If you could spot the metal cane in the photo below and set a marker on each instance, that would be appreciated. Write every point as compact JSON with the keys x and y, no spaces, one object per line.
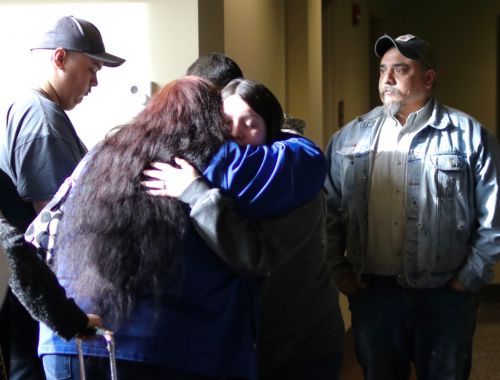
{"x":110,"y":346}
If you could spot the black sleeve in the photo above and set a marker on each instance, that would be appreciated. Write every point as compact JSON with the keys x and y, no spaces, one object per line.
{"x":36,"y":286}
{"x":16,"y":211}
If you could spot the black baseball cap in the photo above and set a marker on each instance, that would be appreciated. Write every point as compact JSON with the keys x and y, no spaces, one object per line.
{"x":408,"y":45}
{"x":78,"y":35}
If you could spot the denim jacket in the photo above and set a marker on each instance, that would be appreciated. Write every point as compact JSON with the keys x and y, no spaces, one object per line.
{"x":452,"y":215}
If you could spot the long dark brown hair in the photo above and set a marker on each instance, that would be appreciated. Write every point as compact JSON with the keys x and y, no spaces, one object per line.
{"x":117,"y":243}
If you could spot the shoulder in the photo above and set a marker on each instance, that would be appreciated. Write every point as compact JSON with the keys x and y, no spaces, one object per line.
{"x":357,"y":129}
{"x":364,"y":121}
{"x":443,"y":113}
{"x":35,"y":116}
{"x":474,"y":136}
{"x":32,"y":102}
{"x":296,"y":143}
{"x":445,"y":116}
{"x":290,"y":149}
{"x":372,"y":115}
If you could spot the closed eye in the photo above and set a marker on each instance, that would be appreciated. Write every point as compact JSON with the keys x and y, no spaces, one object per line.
{"x":251,"y":123}
{"x":401,"y":68}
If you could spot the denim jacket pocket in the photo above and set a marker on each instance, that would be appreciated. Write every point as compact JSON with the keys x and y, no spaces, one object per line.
{"x":346,"y":163}
{"x":452,"y":211}
{"x":353,"y":165}
{"x":450,"y":174}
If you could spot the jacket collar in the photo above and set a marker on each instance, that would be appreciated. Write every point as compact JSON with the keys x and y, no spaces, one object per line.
{"x":440,"y":118}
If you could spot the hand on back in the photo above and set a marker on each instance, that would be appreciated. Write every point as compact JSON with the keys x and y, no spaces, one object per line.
{"x":167,"y":180}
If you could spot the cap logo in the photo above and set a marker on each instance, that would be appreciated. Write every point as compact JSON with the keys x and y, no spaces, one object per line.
{"x":80,"y":29}
{"x":405,"y":37}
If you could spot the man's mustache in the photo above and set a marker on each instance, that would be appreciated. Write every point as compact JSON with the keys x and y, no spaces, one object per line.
{"x":391,"y":90}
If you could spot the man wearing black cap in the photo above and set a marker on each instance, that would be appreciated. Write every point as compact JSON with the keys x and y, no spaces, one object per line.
{"x":42,"y":147}
{"x":413,"y":221}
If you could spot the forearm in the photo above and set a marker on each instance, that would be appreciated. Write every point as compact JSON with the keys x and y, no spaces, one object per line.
{"x":485,"y":236}
{"x":251,"y":249}
{"x":335,"y":233}
{"x":477,"y":270}
{"x":337,"y":219}
{"x":37,"y":288}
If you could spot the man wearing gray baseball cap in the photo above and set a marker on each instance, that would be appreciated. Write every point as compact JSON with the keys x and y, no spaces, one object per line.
{"x":77,"y":35}
{"x":42,"y":147}
{"x":413,"y":221}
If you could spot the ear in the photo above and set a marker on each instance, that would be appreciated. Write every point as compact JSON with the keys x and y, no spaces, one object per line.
{"x":430,"y":78}
{"x":59,"y":57}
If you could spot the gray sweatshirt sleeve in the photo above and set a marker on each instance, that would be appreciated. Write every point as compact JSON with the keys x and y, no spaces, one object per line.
{"x":36,"y":286}
{"x":250,"y":248}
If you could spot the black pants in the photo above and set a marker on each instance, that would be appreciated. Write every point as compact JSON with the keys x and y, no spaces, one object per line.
{"x":24,"y":361}
{"x":4,"y":341}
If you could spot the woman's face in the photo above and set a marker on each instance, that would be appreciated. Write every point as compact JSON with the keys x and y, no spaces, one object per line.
{"x":247,"y":126}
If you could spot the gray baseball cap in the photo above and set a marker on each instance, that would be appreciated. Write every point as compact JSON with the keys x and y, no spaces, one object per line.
{"x":408,"y":45}
{"x":78,"y":35}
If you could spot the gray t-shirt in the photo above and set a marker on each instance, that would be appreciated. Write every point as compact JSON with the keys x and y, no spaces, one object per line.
{"x":41,"y":148}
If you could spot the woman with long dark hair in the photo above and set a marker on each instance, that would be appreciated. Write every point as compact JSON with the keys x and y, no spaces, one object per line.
{"x":109,"y":213}
{"x":133,"y":258}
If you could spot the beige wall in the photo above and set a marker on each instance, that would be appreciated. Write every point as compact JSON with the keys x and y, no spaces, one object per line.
{"x":174,"y":38}
{"x":325,"y":63}
{"x":296,"y":73}
{"x":210,"y":26}
{"x":315,"y":72}
{"x":279,"y":44}
{"x":254,"y":37}
{"x":347,"y":53}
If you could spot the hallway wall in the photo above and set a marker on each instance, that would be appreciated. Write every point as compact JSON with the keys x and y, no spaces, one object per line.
{"x":347,"y":53}
{"x":254,"y":36}
{"x":292,"y":46}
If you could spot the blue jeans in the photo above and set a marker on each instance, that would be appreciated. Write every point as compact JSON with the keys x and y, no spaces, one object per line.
{"x":394,"y":326}
{"x":66,"y":367}
{"x":326,"y":369}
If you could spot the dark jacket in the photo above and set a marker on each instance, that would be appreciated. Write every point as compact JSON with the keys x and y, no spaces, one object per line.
{"x":37,"y":287}
{"x":301,"y":319}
